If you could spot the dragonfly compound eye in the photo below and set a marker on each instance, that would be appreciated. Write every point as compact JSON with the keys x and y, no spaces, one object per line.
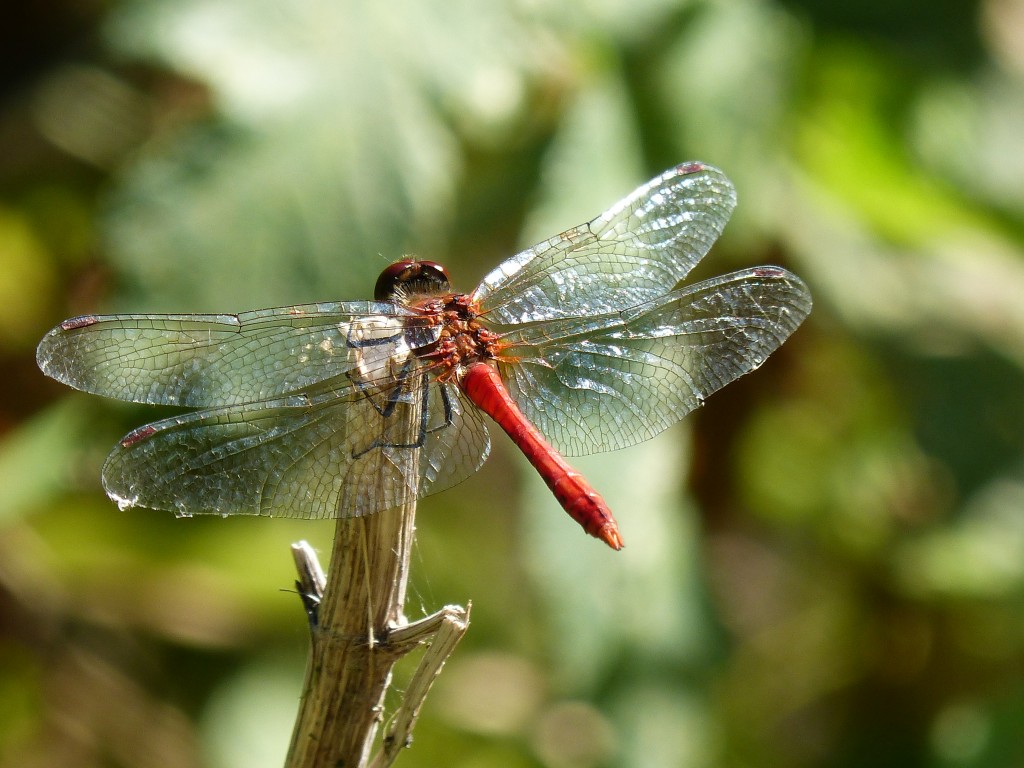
{"x":411,"y":277}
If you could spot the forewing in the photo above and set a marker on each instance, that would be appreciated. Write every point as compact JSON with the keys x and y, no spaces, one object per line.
{"x":634,"y":252}
{"x":343,"y":454}
{"x":602,"y":383}
{"x":210,"y":360}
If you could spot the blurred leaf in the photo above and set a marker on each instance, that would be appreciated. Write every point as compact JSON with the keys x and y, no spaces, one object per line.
{"x":596,"y":622}
{"x":725,"y":85}
{"x":970,"y":132}
{"x":234,"y":738}
{"x":593,"y":158}
{"x":26,"y":272}
{"x":847,"y":464}
{"x":957,"y":288}
{"x":665,"y":726}
{"x":982,"y":555}
{"x":34,"y":460}
{"x":846,"y":141}
{"x":333,"y":148}
{"x":20,"y":703}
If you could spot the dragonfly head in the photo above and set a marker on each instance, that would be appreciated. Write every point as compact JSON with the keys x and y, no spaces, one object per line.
{"x":408,"y":277}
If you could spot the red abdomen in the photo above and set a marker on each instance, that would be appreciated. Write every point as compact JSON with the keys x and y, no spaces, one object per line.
{"x":482,"y":384}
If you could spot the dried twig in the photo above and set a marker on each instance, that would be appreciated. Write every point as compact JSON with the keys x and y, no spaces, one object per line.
{"x":441,"y":632}
{"x":358,"y":633}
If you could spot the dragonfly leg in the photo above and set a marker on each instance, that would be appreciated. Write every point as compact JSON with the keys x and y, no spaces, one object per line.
{"x":393,"y":400}
{"x":394,"y":397}
{"x":446,"y":403}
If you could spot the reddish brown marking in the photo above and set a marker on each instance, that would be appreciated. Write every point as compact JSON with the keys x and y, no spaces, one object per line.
{"x":137,"y":435}
{"x":79,"y":322}
{"x":766,"y":271}
{"x":686,"y":168}
{"x":462,"y":341}
{"x":482,"y":384}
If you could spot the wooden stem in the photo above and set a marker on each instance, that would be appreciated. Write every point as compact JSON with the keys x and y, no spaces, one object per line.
{"x":358,"y":633}
{"x":350,"y":660}
{"x":358,"y":626}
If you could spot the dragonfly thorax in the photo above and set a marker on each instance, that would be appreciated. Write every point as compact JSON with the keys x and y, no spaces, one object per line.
{"x":463,"y":339}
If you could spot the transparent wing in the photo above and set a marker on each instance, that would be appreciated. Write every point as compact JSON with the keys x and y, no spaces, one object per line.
{"x":600,"y":383}
{"x":636,"y":251}
{"x":344,"y":454}
{"x":209,"y":360}
{"x":452,"y":454}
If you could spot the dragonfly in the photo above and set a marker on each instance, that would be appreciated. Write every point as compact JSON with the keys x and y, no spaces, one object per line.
{"x":589,"y":341}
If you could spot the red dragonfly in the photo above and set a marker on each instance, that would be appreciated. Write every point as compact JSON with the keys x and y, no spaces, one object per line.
{"x":582,"y":343}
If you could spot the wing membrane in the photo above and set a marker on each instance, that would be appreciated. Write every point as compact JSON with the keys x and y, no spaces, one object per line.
{"x":341,"y":455}
{"x":634,"y":252}
{"x":207,"y":360}
{"x":602,"y":383}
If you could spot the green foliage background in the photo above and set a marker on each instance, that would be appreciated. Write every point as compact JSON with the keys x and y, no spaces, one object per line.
{"x":823,"y":567}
